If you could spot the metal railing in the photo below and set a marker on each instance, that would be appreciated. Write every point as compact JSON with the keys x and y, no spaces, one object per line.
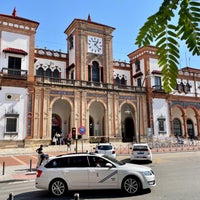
{"x":14,"y":73}
{"x":86,"y":84}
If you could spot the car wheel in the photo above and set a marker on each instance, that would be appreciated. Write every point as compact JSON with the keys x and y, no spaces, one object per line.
{"x":58,"y":187}
{"x":131,"y":185}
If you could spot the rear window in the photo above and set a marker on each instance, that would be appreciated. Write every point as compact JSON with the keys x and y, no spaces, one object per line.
{"x":104,"y":147}
{"x":140,"y":148}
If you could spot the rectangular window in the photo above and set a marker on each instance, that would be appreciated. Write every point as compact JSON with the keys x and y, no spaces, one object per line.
{"x":137,"y":66}
{"x":139,"y":82}
{"x":161,"y":125}
{"x":71,"y":42}
{"x":158,"y":83}
{"x":11,"y":125}
{"x":14,"y":65}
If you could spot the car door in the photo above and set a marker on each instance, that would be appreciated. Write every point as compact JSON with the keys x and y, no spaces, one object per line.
{"x":76,"y":172}
{"x":100,"y":176}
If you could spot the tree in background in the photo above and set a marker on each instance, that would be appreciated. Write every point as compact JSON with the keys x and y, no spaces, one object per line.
{"x":167,"y":34}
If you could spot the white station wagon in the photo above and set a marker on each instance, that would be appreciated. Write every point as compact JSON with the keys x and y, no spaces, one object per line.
{"x":92,"y":172}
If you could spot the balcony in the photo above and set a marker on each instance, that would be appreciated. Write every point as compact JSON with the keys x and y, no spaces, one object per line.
{"x":158,"y":88}
{"x":14,"y":73}
{"x":87,"y":84}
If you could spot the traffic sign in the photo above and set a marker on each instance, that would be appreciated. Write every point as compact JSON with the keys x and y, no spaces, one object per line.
{"x":82,"y":130}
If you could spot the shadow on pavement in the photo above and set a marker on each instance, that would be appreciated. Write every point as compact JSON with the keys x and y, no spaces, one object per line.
{"x":87,"y":194}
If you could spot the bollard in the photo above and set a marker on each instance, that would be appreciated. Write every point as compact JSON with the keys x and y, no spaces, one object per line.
{"x":3,"y":172}
{"x":11,"y":197}
{"x":30,"y":165}
{"x":76,"y":196}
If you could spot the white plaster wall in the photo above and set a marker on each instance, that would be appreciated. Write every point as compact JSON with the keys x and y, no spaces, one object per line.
{"x":45,"y":63}
{"x":121,"y":73}
{"x":154,"y":64}
{"x":160,"y":108}
{"x":19,"y":106}
{"x":14,"y":40}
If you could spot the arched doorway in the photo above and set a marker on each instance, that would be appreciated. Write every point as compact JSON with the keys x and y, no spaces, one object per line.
{"x":190,"y":128}
{"x":129,"y":129}
{"x":61,"y":118}
{"x":96,"y":119}
{"x":56,"y":124}
{"x":128,"y":123}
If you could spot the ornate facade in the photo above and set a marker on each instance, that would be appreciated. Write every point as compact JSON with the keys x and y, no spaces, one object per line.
{"x":83,"y":88}
{"x":45,"y":91}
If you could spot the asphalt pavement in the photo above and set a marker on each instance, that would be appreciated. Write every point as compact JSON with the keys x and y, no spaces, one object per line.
{"x":19,"y":164}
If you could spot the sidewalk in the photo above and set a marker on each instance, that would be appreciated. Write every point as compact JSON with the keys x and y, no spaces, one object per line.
{"x":19,"y":164}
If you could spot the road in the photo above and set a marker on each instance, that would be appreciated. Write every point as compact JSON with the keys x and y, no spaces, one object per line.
{"x":178,"y":178}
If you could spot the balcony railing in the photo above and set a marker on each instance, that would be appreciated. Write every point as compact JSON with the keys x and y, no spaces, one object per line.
{"x":14,"y":73}
{"x":87,"y":84}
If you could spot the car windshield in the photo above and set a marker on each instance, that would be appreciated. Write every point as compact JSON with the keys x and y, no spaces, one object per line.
{"x":115,"y":161}
{"x":104,"y":147}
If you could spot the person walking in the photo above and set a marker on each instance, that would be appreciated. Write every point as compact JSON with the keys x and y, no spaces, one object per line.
{"x":68,"y":142}
{"x":40,"y":153}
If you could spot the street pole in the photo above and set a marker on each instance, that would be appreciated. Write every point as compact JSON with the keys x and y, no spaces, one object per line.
{"x":139,"y":123}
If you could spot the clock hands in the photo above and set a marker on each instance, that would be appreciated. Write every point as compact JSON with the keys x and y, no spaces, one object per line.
{"x":95,"y":45}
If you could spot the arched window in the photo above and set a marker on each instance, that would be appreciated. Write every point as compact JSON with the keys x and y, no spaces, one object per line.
{"x":40,"y":72}
{"x":181,"y":87}
{"x":56,"y":73}
{"x":123,"y":81}
{"x":177,"y":127}
{"x":95,"y":71}
{"x":48,"y":72}
{"x":187,"y":88}
{"x":117,"y":81}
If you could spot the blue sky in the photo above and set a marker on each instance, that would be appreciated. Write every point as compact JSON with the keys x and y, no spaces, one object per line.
{"x":126,"y":16}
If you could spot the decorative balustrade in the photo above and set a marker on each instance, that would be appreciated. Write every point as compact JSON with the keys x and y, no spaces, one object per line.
{"x":87,"y":84}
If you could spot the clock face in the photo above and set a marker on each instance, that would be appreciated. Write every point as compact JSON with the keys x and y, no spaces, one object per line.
{"x":95,"y":45}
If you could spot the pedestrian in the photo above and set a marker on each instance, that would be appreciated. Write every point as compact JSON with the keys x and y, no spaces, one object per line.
{"x":68,"y":142}
{"x":40,"y":153}
{"x":54,"y":140}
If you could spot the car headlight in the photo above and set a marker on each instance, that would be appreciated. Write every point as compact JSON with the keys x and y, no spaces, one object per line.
{"x":148,"y":173}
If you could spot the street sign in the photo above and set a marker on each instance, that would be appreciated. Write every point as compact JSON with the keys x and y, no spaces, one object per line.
{"x":82,"y":130}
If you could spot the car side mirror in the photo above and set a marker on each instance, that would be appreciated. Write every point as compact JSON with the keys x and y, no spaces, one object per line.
{"x":109,"y":165}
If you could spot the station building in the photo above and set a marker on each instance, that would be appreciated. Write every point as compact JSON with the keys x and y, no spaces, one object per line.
{"x":45,"y":91}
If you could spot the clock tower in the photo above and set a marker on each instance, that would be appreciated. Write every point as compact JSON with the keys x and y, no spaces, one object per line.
{"x":90,"y":51}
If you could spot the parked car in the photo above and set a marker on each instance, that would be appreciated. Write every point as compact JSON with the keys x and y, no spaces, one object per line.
{"x":106,"y":149}
{"x":141,"y":152}
{"x":90,"y":171}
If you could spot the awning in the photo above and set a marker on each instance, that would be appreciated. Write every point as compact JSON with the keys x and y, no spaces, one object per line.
{"x":16,"y":51}
{"x":136,"y":75}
